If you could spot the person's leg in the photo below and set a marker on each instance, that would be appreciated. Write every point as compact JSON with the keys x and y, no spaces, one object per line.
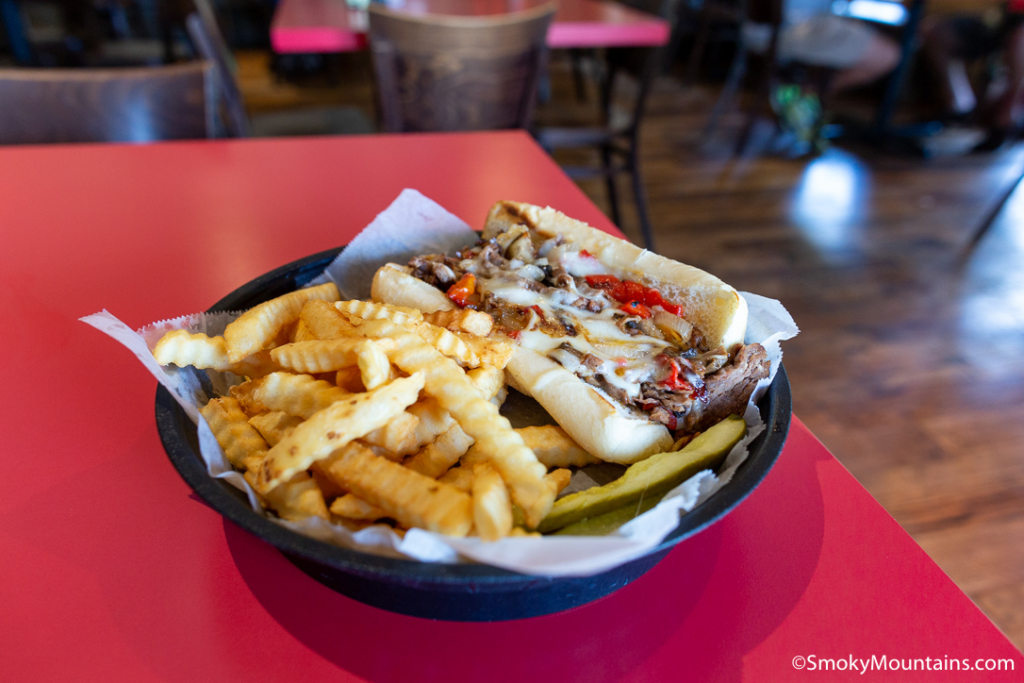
{"x":879,"y":58}
{"x":1010,"y":108}
{"x":942,"y":47}
{"x":857,"y":52}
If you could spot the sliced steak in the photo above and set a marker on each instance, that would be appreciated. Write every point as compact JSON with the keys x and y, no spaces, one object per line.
{"x":729,"y":389}
{"x":615,"y":392}
{"x":433,"y":270}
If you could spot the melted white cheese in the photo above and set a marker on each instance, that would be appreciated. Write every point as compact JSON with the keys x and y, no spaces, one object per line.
{"x":626,"y":360}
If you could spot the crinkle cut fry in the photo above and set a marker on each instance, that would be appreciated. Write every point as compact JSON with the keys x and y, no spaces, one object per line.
{"x":274,"y":426}
{"x":448,"y":343}
{"x":354,"y":507}
{"x":408,"y":497}
{"x":437,"y":457}
{"x":182,"y":348}
{"x":302,"y":331}
{"x":441,"y":339}
{"x":488,"y":380}
{"x":368,"y":310}
{"x":230,"y":426}
{"x":245,"y":394}
{"x":297,"y":498}
{"x":300,"y":395}
{"x":335,"y":426}
{"x":479,"y":418}
{"x":261,"y":324}
{"x":257,"y":365}
{"x":561,"y":476}
{"x":374,"y":366}
{"x":476,"y":323}
{"x":326,"y":356}
{"x":488,"y":350}
{"x":492,"y":510}
{"x":554,"y":448}
{"x":434,"y":420}
{"x":397,"y":437}
{"x":324,"y":321}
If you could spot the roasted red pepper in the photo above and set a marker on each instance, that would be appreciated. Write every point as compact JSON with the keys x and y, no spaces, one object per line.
{"x":462,"y":290}
{"x":536,"y":309}
{"x":586,"y":254}
{"x":514,"y":334}
{"x":672,"y":308}
{"x":636,"y":308}
{"x":602,"y":281}
{"x":674,"y":381}
{"x":652,"y":298}
{"x":627,"y":291}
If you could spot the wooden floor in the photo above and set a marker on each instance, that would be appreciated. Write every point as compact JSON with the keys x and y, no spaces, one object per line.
{"x":910,"y":363}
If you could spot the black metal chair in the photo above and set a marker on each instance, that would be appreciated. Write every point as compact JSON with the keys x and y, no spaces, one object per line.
{"x":618,"y":144}
{"x":204,"y":31}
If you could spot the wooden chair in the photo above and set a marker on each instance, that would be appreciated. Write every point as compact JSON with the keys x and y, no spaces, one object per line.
{"x":619,"y":143}
{"x":442,"y":73}
{"x":107,"y":105}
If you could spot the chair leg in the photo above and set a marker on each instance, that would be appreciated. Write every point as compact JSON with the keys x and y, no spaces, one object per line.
{"x":700,"y":43}
{"x":578,"y":78}
{"x":762,"y":104}
{"x":613,"y":195}
{"x":640,"y":196}
{"x":737,"y":72}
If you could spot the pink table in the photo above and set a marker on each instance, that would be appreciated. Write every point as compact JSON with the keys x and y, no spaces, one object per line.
{"x":112,"y":570}
{"x":330,"y":26}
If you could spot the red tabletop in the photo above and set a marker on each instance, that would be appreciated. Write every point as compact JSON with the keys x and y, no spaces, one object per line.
{"x":330,"y":26}
{"x":112,"y":570}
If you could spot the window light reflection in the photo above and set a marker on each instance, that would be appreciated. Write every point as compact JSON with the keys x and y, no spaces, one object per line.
{"x":830,"y":199}
{"x":881,"y":11}
{"x":992,"y":312}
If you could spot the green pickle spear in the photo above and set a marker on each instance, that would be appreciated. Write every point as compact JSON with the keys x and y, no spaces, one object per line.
{"x":602,"y":525}
{"x":646,"y":479}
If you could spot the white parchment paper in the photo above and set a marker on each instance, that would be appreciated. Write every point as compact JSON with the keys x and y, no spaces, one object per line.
{"x":415,"y":225}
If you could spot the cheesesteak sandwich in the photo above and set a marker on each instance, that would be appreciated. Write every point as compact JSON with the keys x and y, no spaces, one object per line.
{"x":627,"y":350}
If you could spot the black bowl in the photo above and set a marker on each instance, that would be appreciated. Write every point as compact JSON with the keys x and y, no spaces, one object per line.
{"x":459,"y":592}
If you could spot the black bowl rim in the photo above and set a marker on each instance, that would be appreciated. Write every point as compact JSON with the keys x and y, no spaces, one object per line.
{"x":177,"y":433}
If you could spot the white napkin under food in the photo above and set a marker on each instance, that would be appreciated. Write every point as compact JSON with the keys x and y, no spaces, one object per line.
{"x":415,"y":225}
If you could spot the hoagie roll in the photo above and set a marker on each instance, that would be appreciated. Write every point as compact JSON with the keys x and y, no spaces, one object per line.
{"x":624,"y":348}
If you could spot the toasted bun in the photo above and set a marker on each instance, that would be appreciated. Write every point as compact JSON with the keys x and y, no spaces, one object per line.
{"x":715,"y":308}
{"x":393,"y":284}
{"x":592,"y":420}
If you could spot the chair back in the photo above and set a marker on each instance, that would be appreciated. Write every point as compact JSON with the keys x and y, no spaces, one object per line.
{"x":107,"y":105}
{"x":209,"y":42}
{"x":442,"y":73}
{"x":644,"y":64}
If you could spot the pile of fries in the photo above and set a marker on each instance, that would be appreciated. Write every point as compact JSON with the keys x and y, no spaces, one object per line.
{"x":360,"y":413}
